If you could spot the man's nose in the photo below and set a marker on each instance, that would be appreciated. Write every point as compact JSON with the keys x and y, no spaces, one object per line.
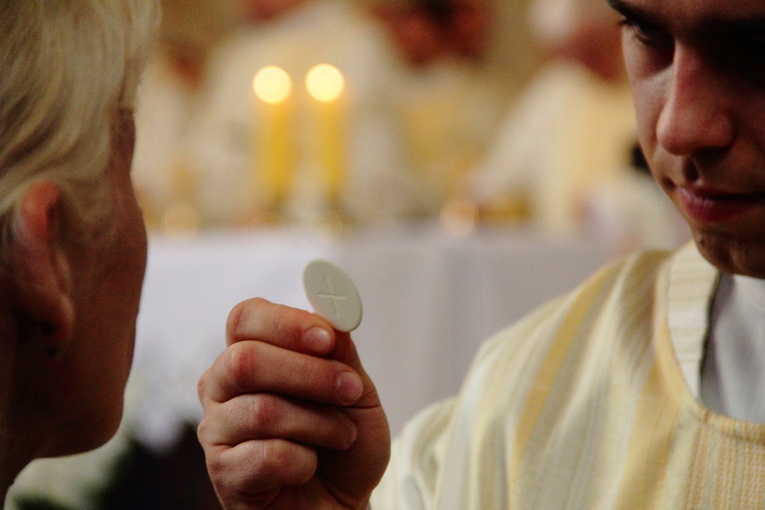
{"x":694,"y":116}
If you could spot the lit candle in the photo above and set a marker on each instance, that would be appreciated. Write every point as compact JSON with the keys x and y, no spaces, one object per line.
{"x":274,"y":152}
{"x":325,"y":84}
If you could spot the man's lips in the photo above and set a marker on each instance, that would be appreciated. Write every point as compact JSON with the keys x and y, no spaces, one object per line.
{"x":714,"y":206}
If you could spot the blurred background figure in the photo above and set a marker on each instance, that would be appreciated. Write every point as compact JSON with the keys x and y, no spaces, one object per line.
{"x":565,"y":157}
{"x":168,"y":104}
{"x":426,"y":31}
{"x":450,"y":99}
{"x":302,"y":155}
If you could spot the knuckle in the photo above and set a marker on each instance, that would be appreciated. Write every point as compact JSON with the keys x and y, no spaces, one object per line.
{"x":202,"y":428}
{"x":202,"y":386}
{"x":241,"y":363}
{"x":258,"y":316}
{"x":242,"y":313}
{"x":234,"y":319}
{"x":282,"y":462}
{"x":272,"y":456}
{"x":204,"y":432}
{"x":265,"y":412}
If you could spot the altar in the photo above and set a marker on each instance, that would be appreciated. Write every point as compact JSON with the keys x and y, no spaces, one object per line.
{"x":429,"y":298}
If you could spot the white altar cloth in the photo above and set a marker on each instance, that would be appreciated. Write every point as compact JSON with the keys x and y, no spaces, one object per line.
{"x":429,"y":300}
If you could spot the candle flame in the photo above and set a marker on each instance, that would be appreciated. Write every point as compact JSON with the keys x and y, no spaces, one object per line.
{"x":272,"y":84}
{"x":324,"y":83}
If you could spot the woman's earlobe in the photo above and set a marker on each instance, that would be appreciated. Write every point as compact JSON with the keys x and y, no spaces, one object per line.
{"x":40,"y":266}
{"x":50,"y":341}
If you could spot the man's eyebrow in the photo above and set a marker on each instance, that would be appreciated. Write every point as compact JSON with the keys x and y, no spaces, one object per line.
{"x":628,"y":11}
{"x":753,"y":24}
{"x":620,"y":6}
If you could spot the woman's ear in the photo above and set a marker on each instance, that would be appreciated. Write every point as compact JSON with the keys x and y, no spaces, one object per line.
{"x":40,"y":266}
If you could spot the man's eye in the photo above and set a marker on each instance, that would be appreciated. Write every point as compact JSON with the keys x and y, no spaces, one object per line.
{"x":646,"y":33}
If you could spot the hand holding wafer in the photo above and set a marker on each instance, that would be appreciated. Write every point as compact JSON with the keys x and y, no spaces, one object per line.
{"x":291,"y":386}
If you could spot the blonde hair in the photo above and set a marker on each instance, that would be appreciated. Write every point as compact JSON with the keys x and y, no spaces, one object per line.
{"x":67,"y":67}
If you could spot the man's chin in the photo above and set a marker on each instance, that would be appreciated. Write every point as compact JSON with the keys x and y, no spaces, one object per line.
{"x":733,"y":256}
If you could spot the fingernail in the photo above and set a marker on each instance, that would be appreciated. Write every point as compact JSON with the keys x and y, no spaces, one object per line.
{"x":318,"y":340}
{"x":348,"y":387}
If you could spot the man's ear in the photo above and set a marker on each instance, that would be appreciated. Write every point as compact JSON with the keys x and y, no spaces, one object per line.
{"x":40,"y":267}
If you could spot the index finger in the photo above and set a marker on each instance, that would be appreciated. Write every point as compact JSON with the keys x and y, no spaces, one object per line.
{"x":258,"y":367}
{"x":283,"y":326}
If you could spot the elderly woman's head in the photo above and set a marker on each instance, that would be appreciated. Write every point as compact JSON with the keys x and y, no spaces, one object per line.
{"x":73,"y":244}
{"x":68,"y":67}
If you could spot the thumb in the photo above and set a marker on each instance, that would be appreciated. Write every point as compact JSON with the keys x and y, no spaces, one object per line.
{"x":345,"y":352}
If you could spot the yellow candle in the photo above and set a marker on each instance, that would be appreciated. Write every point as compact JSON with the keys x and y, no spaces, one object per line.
{"x":274,"y":144}
{"x":326,"y":85}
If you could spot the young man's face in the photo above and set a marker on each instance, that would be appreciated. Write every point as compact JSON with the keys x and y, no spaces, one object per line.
{"x":697,"y":69}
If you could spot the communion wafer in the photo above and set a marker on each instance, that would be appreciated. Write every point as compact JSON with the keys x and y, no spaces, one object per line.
{"x":332,"y":294}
